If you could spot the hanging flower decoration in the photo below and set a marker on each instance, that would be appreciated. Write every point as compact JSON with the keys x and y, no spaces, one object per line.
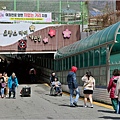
{"x":52,"y":32}
{"x":66,"y":33}
{"x":45,"y":40}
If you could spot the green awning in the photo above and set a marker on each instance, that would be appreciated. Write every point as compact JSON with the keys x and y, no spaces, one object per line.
{"x":105,"y":36}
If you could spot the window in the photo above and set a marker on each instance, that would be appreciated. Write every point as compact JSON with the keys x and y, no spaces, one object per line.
{"x":91,"y":58}
{"x":86,"y":59}
{"x":57,"y":65}
{"x":73,"y":60}
{"x":64,"y":64}
{"x":69,"y":62}
{"x":102,"y":56}
{"x":81,"y":60}
{"x":96,"y":57}
{"x":77,"y":61}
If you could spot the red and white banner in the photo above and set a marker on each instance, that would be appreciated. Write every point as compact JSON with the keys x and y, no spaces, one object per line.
{"x":11,"y":16}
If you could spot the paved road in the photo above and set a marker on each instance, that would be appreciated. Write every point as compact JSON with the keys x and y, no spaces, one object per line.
{"x":43,"y":106}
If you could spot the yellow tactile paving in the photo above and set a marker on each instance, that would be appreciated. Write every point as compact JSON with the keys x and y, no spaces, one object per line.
{"x":103,"y":105}
{"x":46,"y":84}
{"x":96,"y":103}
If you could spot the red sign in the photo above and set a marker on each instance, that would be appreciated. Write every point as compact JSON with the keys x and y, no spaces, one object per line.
{"x":22,"y":44}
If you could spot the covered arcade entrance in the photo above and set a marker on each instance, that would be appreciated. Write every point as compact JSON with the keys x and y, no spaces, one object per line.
{"x":22,"y":64}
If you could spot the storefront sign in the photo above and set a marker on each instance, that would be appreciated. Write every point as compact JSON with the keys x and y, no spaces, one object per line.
{"x":11,"y":33}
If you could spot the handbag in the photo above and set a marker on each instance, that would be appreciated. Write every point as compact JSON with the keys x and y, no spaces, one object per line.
{"x":86,"y":84}
{"x":3,"y":84}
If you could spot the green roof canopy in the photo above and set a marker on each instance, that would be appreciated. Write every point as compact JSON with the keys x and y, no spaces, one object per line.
{"x":106,"y":36}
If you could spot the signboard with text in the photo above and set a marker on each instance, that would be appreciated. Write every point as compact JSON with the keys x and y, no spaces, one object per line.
{"x":9,"y":16}
{"x":11,"y":33}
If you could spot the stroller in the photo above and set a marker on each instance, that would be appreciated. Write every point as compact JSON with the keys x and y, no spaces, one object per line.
{"x":55,"y":91}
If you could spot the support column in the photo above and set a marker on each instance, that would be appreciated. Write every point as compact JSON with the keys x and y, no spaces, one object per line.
{"x":108,"y":65}
{"x":108,"y":51}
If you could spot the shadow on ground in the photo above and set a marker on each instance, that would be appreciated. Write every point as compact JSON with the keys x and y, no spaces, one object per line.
{"x":106,"y":111}
{"x":110,"y":118}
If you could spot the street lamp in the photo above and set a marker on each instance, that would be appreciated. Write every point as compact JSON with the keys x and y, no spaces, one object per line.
{"x":68,"y":6}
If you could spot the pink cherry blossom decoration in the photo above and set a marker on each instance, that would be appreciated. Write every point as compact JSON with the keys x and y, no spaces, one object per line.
{"x":66,"y":33}
{"x":52,"y":32}
{"x":45,"y":40}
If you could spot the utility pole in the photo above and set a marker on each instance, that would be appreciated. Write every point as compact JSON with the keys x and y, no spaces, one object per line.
{"x":114,"y":7}
{"x":60,"y":11}
{"x":14,"y":5}
{"x":81,"y":8}
{"x":38,"y":5}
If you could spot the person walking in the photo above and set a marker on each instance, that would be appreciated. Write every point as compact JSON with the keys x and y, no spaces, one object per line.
{"x":6,"y":81}
{"x":117,"y":93}
{"x":1,"y":80}
{"x":111,"y":88}
{"x":32,"y":74}
{"x":52,"y":78}
{"x":88,"y":87}
{"x":2,"y":85}
{"x":73,"y":86}
{"x":12,"y":84}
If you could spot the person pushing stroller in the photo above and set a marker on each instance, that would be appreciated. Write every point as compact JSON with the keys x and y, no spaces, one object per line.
{"x":52,"y":77}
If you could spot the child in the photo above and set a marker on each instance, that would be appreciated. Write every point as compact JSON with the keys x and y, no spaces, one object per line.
{"x":6,"y":80}
{"x":3,"y":85}
{"x":57,"y":86}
